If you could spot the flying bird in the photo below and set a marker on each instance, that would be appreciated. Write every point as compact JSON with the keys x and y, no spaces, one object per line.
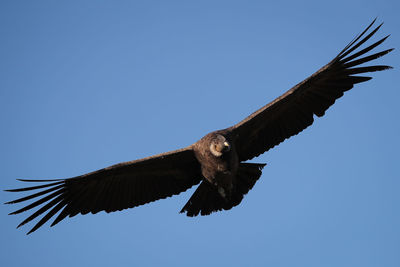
{"x":217,"y":161}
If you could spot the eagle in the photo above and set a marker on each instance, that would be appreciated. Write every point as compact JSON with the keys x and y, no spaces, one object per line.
{"x":217,"y":161}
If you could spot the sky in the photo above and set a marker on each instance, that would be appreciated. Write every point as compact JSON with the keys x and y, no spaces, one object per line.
{"x":87,"y":84}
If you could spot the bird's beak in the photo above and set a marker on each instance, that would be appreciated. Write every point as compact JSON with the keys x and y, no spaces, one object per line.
{"x":227,"y":146}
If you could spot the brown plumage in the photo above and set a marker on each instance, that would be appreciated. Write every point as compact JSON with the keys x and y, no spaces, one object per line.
{"x":216,"y":161}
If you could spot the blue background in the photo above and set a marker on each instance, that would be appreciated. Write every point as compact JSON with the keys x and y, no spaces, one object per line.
{"x":87,"y":84}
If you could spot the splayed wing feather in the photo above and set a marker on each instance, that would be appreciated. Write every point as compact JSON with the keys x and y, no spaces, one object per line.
{"x":35,"y":195}
{"x":31,"y":188}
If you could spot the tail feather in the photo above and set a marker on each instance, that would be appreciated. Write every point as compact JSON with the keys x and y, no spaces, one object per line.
{"x":206,"y":199}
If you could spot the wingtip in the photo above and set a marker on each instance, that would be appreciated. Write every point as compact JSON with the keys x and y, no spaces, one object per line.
{"x":31,"y":231}
{"x":40,"y":180}
{"x":9,"y":190}
{"x":373,"y":22}
{"x":384,"y":38}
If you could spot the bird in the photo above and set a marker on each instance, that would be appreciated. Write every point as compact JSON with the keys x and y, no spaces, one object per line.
{"x":218,"y":162}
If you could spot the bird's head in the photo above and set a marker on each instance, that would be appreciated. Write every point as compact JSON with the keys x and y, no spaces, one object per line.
{"x":219,"y":145}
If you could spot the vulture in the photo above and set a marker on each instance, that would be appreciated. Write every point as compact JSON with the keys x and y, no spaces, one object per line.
{"x":217,"y":161}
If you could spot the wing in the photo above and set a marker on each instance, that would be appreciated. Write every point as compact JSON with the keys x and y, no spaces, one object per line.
{"x":118,"y":187}
{"x":294,"y":111}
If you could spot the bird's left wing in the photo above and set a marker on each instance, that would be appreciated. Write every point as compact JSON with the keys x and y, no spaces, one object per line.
{"x":294,"y":111}
{"x":118,"y":187}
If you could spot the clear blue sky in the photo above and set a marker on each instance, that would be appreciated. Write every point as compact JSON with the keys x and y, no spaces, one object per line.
{"x":86,"y":84}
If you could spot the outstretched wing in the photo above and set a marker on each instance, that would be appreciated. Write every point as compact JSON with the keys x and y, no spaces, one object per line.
{"x":118,"y":187}
{"x":294,"y":111}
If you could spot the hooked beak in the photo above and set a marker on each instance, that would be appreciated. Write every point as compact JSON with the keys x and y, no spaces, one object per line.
{"x":227,"y":146}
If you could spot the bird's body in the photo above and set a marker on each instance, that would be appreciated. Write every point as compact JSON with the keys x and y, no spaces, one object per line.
{"x":216,"y":161}
{"x":219,"y":168}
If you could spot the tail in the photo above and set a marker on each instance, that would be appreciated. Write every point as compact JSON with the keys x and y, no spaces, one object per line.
{"x":206,"y":198}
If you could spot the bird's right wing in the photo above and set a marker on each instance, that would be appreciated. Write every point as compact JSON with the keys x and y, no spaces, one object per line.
{"x":118,"y":187}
